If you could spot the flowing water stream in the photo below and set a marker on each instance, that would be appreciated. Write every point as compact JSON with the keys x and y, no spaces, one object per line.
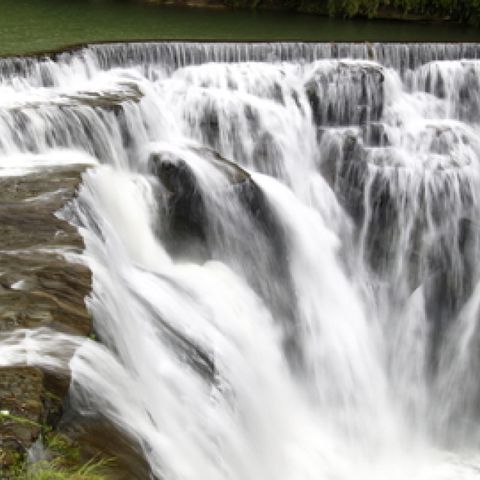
{"x":284,"y":240}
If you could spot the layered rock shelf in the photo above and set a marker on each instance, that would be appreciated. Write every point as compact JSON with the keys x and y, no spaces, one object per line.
{"x":41,"y":285}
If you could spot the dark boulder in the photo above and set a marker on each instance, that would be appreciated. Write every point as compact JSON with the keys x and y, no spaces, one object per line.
{"x":186,"y":233}
{"x":343,"y":93}
{"x":195,"y":232}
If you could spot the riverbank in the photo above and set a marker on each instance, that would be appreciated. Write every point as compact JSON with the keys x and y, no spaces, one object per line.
{"x":365,"y":9}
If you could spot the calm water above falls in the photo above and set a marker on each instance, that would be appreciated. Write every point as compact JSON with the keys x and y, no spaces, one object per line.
{"x":38,"y":25}
{"x":284,"y":242}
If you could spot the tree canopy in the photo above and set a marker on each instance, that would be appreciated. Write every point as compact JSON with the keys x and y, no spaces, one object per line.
{"x":459,"y":10}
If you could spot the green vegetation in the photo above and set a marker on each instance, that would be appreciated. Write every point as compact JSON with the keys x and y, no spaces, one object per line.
{"x":462,"y":11}
{"x":6,"y":416}
{"x":466,"y":11}
{"x":63,"y":462}
{"x":55,"y":470}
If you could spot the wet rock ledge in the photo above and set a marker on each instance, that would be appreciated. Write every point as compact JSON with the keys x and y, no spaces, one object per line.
{"x":39,"y":287}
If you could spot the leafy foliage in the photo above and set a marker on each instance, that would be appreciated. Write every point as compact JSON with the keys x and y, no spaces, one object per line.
{"x":464,"y":11}
{"x":467,"y":11}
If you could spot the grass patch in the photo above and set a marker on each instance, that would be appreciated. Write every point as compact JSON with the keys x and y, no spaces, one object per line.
{"x":6,"y":416}
{"x":63,"y":462}
{"x":95,"y":469}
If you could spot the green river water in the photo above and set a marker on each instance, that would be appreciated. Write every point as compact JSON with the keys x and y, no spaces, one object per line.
{"x":39,"y":25}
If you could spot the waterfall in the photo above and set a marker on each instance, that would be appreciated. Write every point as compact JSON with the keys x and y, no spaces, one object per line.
{"x":285,"y":249}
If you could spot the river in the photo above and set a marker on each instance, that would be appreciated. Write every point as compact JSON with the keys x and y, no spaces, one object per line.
{"x":39,"y":25}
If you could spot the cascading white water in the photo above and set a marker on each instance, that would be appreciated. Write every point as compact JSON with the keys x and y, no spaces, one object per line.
{"x":284,"y":245}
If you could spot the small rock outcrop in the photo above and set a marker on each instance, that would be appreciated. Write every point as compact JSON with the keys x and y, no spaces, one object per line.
{"x":345,"y":93}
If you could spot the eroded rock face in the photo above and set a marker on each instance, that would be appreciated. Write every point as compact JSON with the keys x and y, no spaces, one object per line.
{"x":39,"y":287}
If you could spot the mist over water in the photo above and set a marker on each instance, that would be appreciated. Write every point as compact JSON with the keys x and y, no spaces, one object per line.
{"x":284,"y":243}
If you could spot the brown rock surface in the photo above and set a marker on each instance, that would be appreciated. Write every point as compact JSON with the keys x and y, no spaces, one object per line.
{"x":21,"y":416}
{"x":39,"y":287}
